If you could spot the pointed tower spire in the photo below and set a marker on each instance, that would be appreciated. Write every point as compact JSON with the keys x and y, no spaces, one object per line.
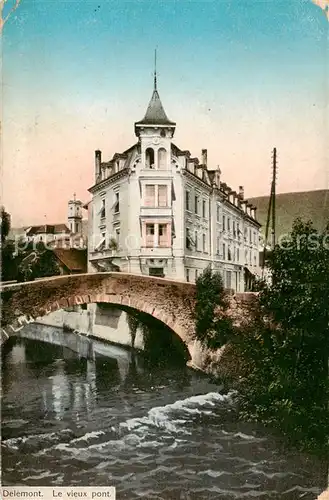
{"x":155,"y":114}
{"x":155,"y":70}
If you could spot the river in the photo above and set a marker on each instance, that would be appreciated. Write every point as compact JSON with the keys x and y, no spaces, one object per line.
{"x":156,"y":432}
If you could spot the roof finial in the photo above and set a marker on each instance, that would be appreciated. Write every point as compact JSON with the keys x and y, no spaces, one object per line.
{"x":74,"y":196}
{"x":155,"y":69}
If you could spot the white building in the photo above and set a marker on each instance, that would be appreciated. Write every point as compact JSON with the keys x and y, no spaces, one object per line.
{"x":157,"y":211}
{"x":60,"y":235}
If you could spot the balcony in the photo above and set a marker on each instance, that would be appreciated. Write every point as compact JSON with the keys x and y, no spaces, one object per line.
{"x":153,"y":173}
{"x":106,"y":253}
{"x":157,"y":252}
{"x":155,"y":211}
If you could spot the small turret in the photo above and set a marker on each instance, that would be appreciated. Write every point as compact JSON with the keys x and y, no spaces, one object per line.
{"x":74,"y":217}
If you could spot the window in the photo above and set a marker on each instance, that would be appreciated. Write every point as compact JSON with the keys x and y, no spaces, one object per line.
{"x":228,"y":224}
{"x":187,"y":200}
{"x":218,"y":213}
{"x":228,"y":279}
{"x":196,"y":274}
{"x":117,"y":236}
{"x":149,"y":195}
{"x":255,"y":260}
{"x":156,"y":271}
{"x":149,"y":158}
{"x":196,"y":240}
{"x":218,"y":245}
{"x":188,"y":242}
{"x":224,"y":221}
{"x":101,"y":244}
{"x":204,"y":243}
{"x":229,"y":254}
{"x":162,"y":157}
{"x":196,"y":204}
{"x":234,"y":232}
{"x":187,"y":275}
{"x":150,"y":235}
{"x":163,"y":235}
{"x":116,"y":203}
{"x":204,"y":209}
{"x":102,"y":210}
{"x":162,"y":196}
{"x":238,"y":229}
{"x":238,"y":255}
{"x":224,"y":251}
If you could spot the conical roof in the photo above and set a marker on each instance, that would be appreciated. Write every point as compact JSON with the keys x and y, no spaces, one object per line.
{"x":155,"y":114}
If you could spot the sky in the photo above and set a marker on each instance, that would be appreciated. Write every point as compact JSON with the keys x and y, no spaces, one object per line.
{"x":239,"y":77}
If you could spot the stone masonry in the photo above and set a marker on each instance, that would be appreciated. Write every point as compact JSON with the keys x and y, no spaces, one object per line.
{"x":171,"y":302}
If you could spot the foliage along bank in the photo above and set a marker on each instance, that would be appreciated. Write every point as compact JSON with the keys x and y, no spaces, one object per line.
{"x":284,"y":348}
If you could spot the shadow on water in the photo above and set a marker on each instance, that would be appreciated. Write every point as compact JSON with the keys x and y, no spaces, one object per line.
{"x":162,"y":347}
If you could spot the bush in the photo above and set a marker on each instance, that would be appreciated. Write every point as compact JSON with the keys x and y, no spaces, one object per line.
{"x":286,"y":384}
{"x":212,"y":327}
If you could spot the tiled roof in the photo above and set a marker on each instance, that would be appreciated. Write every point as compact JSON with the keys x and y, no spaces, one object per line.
{"x":308,"y":205}
{"x":155,"y":114}
{"x":48,"y":229}
{"x":72,"y":258}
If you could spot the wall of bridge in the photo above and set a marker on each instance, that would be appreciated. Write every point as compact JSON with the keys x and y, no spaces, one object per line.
{"x":106,"y":323}
{"x":171,"y":302}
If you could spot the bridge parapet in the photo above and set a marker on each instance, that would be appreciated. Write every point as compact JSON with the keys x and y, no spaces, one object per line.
{"x":171,"y":302}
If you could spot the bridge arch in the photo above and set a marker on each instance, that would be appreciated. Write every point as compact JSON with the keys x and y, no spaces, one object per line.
{"x":170,"y":302}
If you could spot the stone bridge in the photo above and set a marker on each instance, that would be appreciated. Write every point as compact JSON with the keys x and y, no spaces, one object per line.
{"x":171,"y":302}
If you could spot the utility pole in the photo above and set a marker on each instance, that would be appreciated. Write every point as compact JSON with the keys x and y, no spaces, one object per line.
{"x":271,"y":214}
{"x":273,"y":194}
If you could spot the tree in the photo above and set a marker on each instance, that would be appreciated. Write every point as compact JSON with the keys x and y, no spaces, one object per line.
{"x":213,"y":327}
{"x":45,"y":265}
{"x":5,"y":224}
{"x":287,"y":355}
{"x":37,"y":262}
{"x":8,"y":263}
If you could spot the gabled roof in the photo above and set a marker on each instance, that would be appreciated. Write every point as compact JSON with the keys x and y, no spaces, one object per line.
{"x":47,"y":229}
{"x":155,"y":113}
{"x":72,"y":258}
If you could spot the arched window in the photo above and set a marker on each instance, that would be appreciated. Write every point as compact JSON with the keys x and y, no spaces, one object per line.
{"x":162,"y":158}
{"x":149,"y":158}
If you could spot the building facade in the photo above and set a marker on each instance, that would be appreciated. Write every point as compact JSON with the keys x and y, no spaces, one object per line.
{"x":68,"y":235}
{"x":155,"y":210}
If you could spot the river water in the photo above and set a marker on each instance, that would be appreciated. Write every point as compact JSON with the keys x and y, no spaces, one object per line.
{"x":160,"y":432}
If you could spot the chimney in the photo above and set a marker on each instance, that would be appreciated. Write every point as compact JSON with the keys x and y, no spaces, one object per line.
{"x":241,"y":192}
{"x":98,"y":161}
{"x":204,"y":155}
